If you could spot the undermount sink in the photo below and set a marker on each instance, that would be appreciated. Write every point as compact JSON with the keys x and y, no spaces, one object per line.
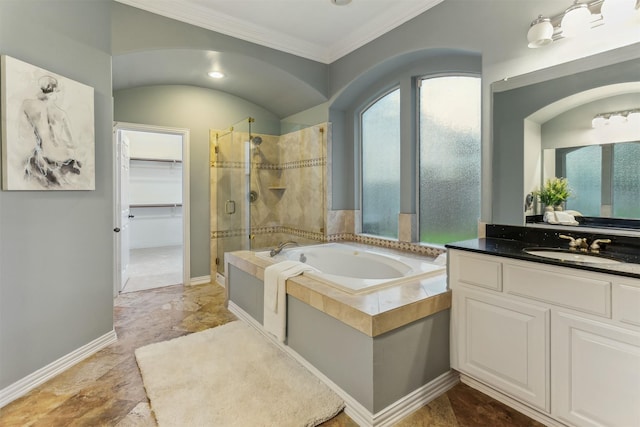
{"x":565,"y":255}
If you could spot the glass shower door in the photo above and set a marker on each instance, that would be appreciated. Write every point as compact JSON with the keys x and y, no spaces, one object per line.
{"x":232,"y":191}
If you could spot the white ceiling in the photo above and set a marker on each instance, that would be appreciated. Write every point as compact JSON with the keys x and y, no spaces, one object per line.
{"x":313,"y":29}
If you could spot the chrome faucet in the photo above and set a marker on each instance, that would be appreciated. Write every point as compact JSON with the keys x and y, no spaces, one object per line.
{"x":275,"y":251}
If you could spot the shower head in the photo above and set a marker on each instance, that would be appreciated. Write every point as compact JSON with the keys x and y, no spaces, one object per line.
{"x":256,"y":140}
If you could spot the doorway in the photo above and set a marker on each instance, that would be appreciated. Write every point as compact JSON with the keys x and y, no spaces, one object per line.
{"x":151,"y":207}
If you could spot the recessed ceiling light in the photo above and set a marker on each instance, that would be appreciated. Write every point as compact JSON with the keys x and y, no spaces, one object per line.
{"x":216,"y":74}
{"x":340,"y":2}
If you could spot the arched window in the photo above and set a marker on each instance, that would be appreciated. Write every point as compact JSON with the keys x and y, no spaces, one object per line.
{"x":380,"y":147}
{"x":449,"y":158}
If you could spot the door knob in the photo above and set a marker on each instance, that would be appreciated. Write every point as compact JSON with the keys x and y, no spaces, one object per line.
{"x":117,"y":229}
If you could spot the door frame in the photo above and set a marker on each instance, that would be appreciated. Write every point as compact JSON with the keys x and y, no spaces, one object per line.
{"x":186,"y":229}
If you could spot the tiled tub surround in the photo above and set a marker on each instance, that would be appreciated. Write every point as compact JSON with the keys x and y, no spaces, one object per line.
{"x":290,"y":174}
{"x":404,"y":328}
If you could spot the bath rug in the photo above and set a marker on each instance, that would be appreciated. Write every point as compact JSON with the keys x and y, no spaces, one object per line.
{"x":231,"y":375}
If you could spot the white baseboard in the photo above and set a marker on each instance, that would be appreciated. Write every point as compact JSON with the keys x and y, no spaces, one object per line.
{"x":33,"y":380}
{"x":513,"y":403}
{"x":407,"y":405}
{"x":220,"y":280}
{"x":200,"y":280}
{"x":354,"y":409}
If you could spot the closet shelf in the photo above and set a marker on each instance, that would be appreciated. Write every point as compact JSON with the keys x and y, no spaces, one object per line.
{"x":148,"y":159}
{"x":156,"y":205}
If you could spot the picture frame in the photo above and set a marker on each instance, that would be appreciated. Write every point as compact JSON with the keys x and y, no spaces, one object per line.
{"x":48,"y":129}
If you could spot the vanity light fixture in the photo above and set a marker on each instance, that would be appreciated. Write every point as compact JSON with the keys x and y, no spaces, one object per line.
{"x":579,"y":18}
{"x":576,"y":20}
{"x":215,"y":74}
{"x":616,"y":118}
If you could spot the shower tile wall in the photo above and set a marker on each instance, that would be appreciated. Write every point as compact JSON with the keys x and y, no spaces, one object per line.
{"x":288,"y":173}
{"x":303,"y":161}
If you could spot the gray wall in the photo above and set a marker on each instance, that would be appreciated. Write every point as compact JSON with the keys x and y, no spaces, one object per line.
{"x":136,"y":30}
{"x":56,"y":247}
{"x":573,"y":128}
{"x":198,"y":110}
{"x":496,"y":29}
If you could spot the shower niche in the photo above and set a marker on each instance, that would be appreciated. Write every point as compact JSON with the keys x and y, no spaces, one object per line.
{"x":268,"y":184}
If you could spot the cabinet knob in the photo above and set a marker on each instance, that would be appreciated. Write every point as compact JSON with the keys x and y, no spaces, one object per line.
{"x":117,"y":229}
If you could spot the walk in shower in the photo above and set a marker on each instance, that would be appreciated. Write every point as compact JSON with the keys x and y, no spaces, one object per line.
{"x":268,"y":184}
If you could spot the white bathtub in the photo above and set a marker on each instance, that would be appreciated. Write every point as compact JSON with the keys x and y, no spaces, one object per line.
{"x":356,"y":270}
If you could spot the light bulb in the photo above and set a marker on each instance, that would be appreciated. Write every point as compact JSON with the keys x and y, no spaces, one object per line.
{"x":633,"y":118}
{"x":215,"y":74}
{"x":617,"y":11}
{"x":540,"y":33}
{"x":576,"y":20}
{"x":598,"y":122}
{"x":617,"y":119}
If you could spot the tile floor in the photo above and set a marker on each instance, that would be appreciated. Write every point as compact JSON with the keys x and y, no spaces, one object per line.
{"x":106,"y":389}
{"x":151,"y":268}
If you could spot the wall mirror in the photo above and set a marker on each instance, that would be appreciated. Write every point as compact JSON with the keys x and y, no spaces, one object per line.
{"x":595,"y":145}
{"x":546,"y":129}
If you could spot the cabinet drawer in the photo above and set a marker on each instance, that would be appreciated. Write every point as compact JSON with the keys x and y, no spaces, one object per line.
{"x":626,"y":303}
{"x":477,"y":271}
{"x":590,"y":295}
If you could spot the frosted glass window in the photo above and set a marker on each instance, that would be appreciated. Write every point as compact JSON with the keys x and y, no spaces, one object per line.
{"x":583,"y":173}
{"x":380,"y":129}
{"x":449,"y":128}
{"x":626,"y":180}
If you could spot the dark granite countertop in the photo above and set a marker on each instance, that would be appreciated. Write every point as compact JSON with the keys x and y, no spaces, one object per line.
{"x":508,"y":242}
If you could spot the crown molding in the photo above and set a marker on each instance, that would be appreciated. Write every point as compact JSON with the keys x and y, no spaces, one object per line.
{"x":194,"y":14}
{"x":375,"y":29}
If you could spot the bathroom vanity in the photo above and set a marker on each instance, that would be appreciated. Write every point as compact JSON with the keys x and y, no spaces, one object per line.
{"x":556,"y":339}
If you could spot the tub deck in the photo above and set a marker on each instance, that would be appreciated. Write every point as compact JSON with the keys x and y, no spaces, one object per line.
{"x":373,"y":313}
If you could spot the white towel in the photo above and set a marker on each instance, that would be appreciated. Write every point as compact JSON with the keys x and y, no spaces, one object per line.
{"x":275,"y":295}
{"x":560,"y":217}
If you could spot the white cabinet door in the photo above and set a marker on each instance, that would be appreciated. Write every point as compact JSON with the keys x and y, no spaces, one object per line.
{"x":595,"y":371}
{"x":503,"y":343}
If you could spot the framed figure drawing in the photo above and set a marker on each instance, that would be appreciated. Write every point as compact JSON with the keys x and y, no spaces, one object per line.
{"x":48,"y":134}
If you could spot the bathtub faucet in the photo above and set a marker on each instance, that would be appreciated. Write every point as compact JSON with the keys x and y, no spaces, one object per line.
{"x":275,"y":251}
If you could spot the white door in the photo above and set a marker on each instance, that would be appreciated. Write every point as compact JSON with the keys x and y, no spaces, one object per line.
{"x":125,"y":212}
{"x":124,"y":196}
